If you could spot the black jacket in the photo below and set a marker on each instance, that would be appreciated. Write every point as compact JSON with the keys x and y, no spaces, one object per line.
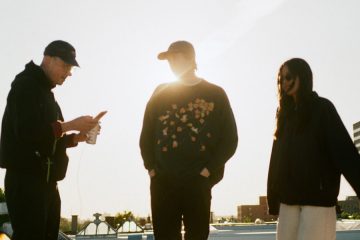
{"x":306,"y":163}
{"x":187,"y":128}
{"x":27,"y":136}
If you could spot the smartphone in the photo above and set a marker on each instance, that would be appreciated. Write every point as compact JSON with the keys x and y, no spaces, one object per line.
{"x":100,"y":115}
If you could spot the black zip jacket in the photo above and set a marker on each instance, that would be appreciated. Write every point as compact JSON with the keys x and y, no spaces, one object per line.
{"x":306,"y":164}
{"x":187,"y":128}
{"x":27,"y":137}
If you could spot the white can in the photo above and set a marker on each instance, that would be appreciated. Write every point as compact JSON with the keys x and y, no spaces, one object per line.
{"x":92,"y":135}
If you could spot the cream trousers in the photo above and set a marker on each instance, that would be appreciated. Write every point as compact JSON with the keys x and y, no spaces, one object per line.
{"x":306,"y":223}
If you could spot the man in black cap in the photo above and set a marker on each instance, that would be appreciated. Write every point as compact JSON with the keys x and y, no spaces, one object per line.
{"x":33,"y":144}
{"x":188,"y":134}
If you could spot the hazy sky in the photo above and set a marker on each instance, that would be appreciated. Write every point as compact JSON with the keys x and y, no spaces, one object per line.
{"x":240,"y":45}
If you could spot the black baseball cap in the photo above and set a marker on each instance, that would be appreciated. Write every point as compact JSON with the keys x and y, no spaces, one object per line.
{"x":63,"y":50}
{"x":178,"y":47}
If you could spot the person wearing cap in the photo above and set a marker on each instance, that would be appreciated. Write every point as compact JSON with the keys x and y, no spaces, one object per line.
{"x":33,"y":144}
{"x":188,"y":134}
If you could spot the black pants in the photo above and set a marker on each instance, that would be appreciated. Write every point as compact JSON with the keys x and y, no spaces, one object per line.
{"x":33,"y":205}
{"x":172,"y":202}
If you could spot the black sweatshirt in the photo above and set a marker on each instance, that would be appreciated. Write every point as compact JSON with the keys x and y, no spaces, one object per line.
{"x":306,"y":164}
{"x":187,"y":128}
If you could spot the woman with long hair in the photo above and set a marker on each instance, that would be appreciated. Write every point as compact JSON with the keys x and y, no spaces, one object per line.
{"x":311,"y":150}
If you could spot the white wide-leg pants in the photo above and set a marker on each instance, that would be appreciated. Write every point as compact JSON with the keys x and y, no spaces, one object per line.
{"x":306,"y":223}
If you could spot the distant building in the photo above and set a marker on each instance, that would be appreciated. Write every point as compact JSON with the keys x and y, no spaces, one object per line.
{"x":250,"y":213}
{"x":356,"y":129}
{"x":97,"y":229}
{"x":111,"y":221}
{"x":351,"y":205}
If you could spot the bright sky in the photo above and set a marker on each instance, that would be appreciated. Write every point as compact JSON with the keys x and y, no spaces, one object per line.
{"x":240,"y":45}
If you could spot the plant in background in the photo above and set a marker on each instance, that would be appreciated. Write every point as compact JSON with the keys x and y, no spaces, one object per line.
{"x":247,"y":219}
{"x":65,"y":225}
{"x":120,"y":218}
{"x":345,"y":215}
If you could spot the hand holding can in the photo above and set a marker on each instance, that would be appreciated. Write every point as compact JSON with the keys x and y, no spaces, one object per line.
{"x":92,"y":134}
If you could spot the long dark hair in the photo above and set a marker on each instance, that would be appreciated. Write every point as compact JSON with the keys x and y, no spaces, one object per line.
{"x":298,"y":68}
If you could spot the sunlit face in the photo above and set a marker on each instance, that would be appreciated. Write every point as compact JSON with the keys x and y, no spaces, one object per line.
{"x":180,"y":64}
{"x":58,"y":70}
{"x":290,"y":84}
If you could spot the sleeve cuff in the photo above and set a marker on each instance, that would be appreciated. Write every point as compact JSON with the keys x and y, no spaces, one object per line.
{"x":57,"y":130}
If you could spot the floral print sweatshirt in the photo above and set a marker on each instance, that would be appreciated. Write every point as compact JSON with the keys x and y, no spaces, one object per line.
{"x":187,"y":128}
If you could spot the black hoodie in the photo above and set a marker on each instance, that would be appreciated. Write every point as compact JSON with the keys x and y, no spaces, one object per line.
{"x":306,"y":163}
{"x":27,"y":137}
